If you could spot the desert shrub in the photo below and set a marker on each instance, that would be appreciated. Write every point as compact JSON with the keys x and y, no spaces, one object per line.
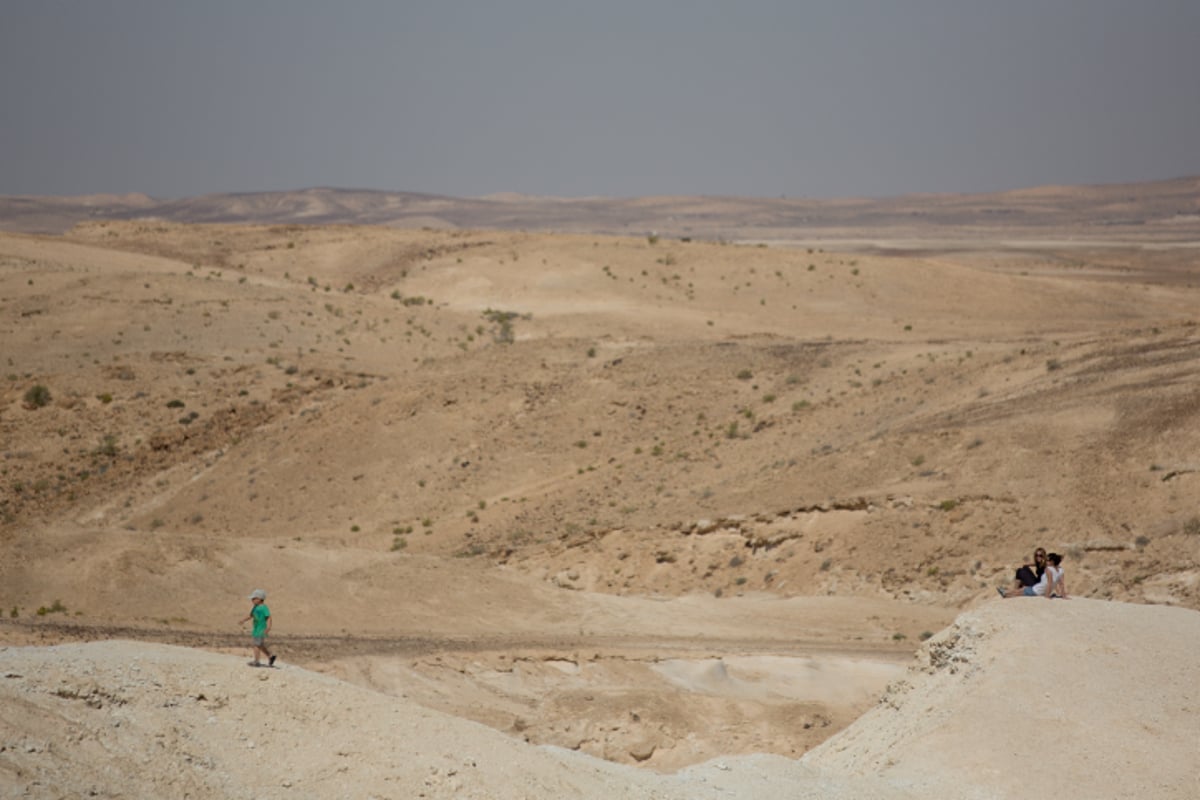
{"x":948,"y":505}
{"x":1192,"y":527}
{"x":37,"y":396}
{"x":55,"y":608}
{"x":745,"y":375}
{"x":175,"y":404}
{"x":503,"y":320}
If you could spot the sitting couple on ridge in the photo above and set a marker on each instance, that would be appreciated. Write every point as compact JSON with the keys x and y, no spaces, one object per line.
{"x":1043,"y":578}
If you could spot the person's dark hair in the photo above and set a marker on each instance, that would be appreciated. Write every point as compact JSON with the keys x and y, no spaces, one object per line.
{"x":1054,"y":558}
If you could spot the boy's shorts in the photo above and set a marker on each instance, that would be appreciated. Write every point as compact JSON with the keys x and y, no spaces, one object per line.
{"x":259,"y":640}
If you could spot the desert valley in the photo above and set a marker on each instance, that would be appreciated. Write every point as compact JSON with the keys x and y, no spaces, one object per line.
{"x":656,"y":498}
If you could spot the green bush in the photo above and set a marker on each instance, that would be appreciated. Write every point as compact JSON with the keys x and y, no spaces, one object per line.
{"x":56,"y":608}
{"x":37,"y":396}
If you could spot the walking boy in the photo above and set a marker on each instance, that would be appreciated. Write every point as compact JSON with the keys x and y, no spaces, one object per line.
{"x":261,"y":617}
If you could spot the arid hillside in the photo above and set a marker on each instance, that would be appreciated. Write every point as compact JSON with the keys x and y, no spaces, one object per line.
{"x":608,"y":459}
{"x":620,"y":415}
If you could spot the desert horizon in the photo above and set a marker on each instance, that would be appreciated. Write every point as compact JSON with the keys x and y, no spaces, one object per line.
{"x":654,"y":497}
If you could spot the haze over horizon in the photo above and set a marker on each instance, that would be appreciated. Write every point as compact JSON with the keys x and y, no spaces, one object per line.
{"x":861,"y":98}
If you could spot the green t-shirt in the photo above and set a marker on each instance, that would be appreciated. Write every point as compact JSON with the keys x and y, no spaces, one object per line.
{"x":259,"y":614}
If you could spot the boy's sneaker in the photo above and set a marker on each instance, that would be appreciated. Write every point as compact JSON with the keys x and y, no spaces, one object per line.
{"x":271,"y":661}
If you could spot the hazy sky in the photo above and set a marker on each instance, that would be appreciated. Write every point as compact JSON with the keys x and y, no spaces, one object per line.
{"x":605,"y":97}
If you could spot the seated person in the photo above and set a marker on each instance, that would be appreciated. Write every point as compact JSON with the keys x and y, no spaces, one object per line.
{"x":1030,"y":574}
{"x":1052,"y":584}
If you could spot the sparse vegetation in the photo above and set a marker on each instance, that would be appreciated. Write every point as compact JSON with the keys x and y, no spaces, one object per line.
{"x":503,"y":320}
{"x":56,"y":607}
{"x":108,"y":446}
{"x":37,"y":396}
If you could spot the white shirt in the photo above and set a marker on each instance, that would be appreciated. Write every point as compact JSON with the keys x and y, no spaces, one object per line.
{"x":1052,"y":577}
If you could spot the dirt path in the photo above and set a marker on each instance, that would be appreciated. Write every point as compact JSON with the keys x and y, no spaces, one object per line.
{"x":314,"y":649}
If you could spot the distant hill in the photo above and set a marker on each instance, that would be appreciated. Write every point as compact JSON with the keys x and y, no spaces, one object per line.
{"x":1169,"y":208}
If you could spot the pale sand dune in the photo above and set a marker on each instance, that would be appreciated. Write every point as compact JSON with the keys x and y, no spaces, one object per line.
{"x":1098,"y":698}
